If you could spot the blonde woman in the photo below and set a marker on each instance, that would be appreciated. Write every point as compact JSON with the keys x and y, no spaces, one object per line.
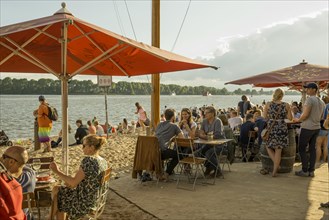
{"x":79,"y":195}
{"x":275,"y":112}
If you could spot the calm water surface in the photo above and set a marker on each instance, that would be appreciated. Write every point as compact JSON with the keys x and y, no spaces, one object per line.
{"x":16,"y":117}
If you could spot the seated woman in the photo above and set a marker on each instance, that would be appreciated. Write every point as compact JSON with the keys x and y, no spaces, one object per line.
{"x":186,"y":124}
{"x":79,"y":195}
{"x":99,"y":129}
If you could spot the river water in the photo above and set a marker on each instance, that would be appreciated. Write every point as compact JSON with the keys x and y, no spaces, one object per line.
{"x":16,"y":117}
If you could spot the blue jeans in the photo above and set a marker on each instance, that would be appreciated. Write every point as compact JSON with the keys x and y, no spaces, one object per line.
{"x":307,"y":138}
{"x":210,"y":152}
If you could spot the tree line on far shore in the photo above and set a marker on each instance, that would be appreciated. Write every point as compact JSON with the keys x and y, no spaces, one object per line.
{"x":87,"y":87}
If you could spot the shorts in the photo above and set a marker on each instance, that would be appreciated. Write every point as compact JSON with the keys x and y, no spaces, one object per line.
{"x":323,"y":132}
{"x":44,"y":133}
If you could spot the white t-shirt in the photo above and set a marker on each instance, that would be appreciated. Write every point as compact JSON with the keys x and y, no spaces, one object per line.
{"x":185,"y":132}
{"x":99,"y":130}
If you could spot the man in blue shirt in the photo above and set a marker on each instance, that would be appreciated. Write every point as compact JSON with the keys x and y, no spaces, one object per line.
{"x":14,"y":159}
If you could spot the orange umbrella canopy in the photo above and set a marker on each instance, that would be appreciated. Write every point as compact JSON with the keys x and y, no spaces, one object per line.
{"x":294,"y":77}
{"x":66,"y":46}
{"x":63,"y":44}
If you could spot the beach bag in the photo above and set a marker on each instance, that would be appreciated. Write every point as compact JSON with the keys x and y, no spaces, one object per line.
{"x":265,"y":134}
{"x":52,"y":113}
{"x":11,"y":197}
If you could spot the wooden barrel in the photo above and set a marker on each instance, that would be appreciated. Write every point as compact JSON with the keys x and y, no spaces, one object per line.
{"x":287,"y":155}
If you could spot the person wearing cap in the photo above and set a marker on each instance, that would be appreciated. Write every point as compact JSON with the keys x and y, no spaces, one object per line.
{"x":310,"y":127}
{"x":44,"y":124}
{"x":14,"y":159}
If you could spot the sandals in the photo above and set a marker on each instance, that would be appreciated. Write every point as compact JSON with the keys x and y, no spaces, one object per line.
{"x":264,"y":171}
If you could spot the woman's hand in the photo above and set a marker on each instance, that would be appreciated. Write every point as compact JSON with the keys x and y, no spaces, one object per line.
{"x":53,"y":166}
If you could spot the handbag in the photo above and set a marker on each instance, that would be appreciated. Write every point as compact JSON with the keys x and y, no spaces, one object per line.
{"x":265,"y":134}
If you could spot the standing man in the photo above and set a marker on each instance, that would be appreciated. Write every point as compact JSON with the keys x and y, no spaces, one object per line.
{"x":14,"y":159}
{"x":44,"y":124}
{"x":310,"y":126}
{"x":240,"y":106}
{"x":165,"y":131}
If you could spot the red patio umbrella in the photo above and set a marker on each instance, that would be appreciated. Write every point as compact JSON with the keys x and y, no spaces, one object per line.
{"x":293,"y":77}
{"x":65,"y":46}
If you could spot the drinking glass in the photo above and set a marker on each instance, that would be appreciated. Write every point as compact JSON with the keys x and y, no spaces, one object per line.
{"x":36,"y":165}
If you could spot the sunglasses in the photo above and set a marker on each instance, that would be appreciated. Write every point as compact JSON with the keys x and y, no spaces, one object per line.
{"x":4,"y":156}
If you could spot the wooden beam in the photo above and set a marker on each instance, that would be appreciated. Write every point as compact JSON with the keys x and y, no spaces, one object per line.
{"x":155,"y":96}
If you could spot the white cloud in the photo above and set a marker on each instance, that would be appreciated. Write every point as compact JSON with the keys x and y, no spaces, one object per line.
{"x":277,"y":46}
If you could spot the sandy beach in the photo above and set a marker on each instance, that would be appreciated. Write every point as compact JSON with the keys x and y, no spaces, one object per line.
{"x":243,"y":194}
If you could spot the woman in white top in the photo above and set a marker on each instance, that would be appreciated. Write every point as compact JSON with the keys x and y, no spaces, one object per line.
{"x":186,"y":124}
{"x":99,"y":129}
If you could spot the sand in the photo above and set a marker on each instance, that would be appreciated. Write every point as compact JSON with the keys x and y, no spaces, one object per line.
{"x":243,"y":194}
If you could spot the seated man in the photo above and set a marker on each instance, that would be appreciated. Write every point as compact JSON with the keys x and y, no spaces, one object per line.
{"x":246,"y":127}
{"x":14,"y":159}
{"x":81,"y":132}
{"x":165,"y":132}
{"x":260,"y":123}
{"x":211,"y":125}
{"x":234,"y":121}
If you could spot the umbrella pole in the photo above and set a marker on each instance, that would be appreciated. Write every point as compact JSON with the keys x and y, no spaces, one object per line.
{"x":65,"y":152}
{"x":155,"y":96}
{"x":64,"y":80}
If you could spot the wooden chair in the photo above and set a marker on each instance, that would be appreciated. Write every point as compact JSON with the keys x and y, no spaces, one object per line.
{"x":102,"y":196}
{"x":29,"y":202}
{"x":252,"y":136}
{"x":189,"y":164}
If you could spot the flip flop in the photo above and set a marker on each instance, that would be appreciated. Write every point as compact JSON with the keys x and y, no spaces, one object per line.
{"x":263,"y":171}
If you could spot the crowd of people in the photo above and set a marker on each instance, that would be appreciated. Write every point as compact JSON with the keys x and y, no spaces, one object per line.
{"x":78,"y":196}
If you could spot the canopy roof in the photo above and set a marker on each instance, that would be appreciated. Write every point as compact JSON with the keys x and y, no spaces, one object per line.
{"x":36,"y":47}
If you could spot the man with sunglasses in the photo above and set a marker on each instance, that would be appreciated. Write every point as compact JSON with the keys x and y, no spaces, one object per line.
{"x":14,"y":159}
{"x":211,"y":125}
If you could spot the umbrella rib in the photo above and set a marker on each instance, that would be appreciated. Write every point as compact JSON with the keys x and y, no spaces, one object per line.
{"x":87,"y":36}
{"x":88,"y":65}
{"x":119,"y":67}
{"x":31,"y":56}
{"x":27,"y":58}
{"x":47,"y":34}
{"x":84,"y":35}
{"x":23,"y":45}
{"x":100,"y":60}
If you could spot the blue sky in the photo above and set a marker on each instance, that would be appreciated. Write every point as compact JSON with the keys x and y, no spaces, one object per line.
{"x":244,"y":38}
